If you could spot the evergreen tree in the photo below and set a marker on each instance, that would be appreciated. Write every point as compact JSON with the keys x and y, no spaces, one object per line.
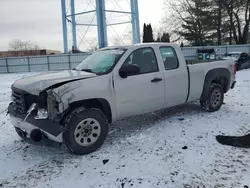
{"x":147,"y":33}
{"x":165,"y":37}
{"x":144,"y":33}
{"x":150,"y":33}
{"x":158,"y":39}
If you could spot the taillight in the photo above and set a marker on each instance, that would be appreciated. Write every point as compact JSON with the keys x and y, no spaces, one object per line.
{"x":235,"y":69}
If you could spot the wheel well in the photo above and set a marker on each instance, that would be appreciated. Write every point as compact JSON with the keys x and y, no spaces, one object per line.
{"x":223,"y":81}
{"x":100,"y":104}
{"x":219,"y":76}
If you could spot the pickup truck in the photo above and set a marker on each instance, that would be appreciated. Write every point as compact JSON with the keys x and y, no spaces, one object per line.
{"x":75,"y":107}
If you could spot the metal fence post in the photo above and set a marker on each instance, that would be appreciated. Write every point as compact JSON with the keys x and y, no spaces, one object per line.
{"x":48,"y":63}
{"x":69,"y":62}
{"x":28,"y":63}
{"x":7,"y":65}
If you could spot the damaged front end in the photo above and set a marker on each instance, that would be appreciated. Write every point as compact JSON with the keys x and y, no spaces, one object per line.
{"x":37,"y":115}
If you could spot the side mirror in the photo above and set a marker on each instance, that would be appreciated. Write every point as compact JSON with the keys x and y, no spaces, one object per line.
{"x":129,"y":70}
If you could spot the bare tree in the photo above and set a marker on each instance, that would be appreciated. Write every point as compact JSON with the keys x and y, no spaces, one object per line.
{"x":239,"y":12}
{"x":18,"y":44}
{"x":205,"y":21}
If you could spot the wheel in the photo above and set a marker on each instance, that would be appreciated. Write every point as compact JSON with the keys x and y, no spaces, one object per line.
{"x":86,"y":130}
{"x":214,"y":99}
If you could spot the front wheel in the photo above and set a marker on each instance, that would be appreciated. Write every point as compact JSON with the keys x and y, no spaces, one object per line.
{"x":214,"y":99}
{"x":86,"y":130}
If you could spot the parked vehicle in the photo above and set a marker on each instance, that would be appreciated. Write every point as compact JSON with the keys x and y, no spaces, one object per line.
{"x":242,"y":59}
{"x":206,"y":54}
{"x":75,"y":107}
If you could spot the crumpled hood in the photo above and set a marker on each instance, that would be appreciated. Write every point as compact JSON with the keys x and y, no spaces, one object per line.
{"x":35,"y":84}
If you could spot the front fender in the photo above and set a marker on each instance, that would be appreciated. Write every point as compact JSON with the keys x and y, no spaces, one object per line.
{"x":93,"y":88}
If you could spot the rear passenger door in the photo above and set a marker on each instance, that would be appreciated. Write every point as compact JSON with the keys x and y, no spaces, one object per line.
{"x":175,"y":76}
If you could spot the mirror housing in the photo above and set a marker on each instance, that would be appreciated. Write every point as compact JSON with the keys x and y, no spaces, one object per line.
{"x":129,"y":70}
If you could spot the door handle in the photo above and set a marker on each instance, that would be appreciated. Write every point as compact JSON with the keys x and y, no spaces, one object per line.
{"x":156,"y":80}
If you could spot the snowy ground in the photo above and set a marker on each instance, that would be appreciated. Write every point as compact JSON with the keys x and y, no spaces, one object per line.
{"x":142,"y":152}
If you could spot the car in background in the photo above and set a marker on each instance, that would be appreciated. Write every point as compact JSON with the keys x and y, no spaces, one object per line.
{"x":242,"y":59}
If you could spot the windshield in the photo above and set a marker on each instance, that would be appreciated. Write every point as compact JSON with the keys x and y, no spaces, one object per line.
{"x":101,"y":62}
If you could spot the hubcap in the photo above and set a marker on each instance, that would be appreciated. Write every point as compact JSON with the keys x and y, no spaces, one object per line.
{"x":215,"y":98}
{"x":87,"y":132}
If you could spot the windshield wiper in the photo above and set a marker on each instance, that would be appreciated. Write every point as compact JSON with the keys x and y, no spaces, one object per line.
{"x":87,"y":70}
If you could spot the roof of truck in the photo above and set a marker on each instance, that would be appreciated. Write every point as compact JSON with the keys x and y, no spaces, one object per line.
{"x":143,"y":44}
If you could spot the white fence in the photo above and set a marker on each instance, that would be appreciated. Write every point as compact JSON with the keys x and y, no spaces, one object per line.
{"x":41,"y":63}
{"x":70,"y":61}
{"x":190,"y":52}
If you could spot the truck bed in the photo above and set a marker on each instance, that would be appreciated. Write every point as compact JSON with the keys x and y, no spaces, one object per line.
{"x":198,"y":72}
{"x":192,"y":62}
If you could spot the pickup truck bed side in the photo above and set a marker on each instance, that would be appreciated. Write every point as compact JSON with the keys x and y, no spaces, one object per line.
{"x":203,"y":74}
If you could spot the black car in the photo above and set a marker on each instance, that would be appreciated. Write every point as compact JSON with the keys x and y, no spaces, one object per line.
{"x":242,"y":59}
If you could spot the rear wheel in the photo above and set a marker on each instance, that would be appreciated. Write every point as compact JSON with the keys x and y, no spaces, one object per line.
{"x":214,"y":99}
{"x":86,"y":130}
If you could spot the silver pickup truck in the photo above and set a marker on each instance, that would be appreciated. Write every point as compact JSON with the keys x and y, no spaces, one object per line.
{"x":76,"y":106}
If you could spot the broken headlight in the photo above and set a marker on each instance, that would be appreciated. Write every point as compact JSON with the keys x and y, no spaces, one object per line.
{"x":42,"y":114}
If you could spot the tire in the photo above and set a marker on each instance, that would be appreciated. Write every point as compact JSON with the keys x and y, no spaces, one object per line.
{"x":86,"y":130}
{"x":214,"y":99}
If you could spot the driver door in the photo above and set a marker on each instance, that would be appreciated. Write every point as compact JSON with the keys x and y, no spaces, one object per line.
{"x":141,"y":93}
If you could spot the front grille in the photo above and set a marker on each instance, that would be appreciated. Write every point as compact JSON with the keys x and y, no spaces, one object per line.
{"x":18,"y":101}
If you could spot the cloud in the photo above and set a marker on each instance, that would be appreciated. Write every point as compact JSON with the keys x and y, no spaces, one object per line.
{"x":39,"y":21}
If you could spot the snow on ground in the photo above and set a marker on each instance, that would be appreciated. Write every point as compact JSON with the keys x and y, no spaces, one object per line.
{"x":142,"y":152}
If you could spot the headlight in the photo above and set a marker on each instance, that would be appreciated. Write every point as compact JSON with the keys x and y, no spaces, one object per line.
{"x":42,"y":114}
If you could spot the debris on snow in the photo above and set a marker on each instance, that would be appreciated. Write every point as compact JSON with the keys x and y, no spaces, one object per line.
{"x":236,"y":141}
{"x":184,"y":147}
{"x":181,"y":119}
{"x":105,"y":161}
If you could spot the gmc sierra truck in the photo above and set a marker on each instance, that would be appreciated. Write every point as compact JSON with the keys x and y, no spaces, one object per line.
{"x":75,"y":107}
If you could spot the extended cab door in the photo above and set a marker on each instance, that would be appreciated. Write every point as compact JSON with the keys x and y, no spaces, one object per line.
{"x":175,"y":75}
{"x":141,"y":93}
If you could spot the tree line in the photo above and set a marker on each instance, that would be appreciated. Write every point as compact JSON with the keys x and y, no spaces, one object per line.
{"x":148,"y":35}
{"x":210,"y":22}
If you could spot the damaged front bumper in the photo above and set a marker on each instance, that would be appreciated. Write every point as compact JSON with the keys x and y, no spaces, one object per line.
{"x":28,"y":123}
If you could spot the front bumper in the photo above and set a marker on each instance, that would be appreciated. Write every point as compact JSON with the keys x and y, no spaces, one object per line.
{"x":233,"y":85}
{"x":52,"y":130}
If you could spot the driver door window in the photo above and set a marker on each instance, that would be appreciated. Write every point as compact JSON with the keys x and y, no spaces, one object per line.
{"x":145,"y":59}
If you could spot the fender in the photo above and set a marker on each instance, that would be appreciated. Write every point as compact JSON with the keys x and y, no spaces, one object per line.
{"x":213,"y":76}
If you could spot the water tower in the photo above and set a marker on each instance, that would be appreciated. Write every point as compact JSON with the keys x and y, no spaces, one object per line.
{"x":100,"y":20}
